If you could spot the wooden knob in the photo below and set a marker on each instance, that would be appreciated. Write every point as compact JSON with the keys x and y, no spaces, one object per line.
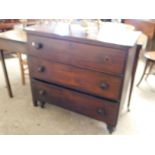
{"x":107,"y":59}
{"x":37,"y":45}
{"x":100,"y":111}
{"x":104,"y":85}
{"x":41,"y":69}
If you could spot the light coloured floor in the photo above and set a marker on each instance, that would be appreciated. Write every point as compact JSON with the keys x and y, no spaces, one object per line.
{"x":18,"y":116}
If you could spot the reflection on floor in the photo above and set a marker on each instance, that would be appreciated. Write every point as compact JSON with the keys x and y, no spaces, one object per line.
{"x":18,"y":116}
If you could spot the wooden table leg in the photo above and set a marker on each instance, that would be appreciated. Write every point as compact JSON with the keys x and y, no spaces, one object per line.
{"x":6,"y":74}
{"x":133,"y":74}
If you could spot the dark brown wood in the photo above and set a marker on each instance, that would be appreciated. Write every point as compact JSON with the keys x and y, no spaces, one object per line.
{"x":80,"y":73}
{"x":133,"y":73}
{"x":6,"y":74}
{"x":102,"y":60}
{"x":77,"y":61}
{"x":125,"y":97}
{"x":76,"y":101}
{"x":88,"y":81}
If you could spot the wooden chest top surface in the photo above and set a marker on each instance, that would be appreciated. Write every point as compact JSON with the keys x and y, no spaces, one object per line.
{"x":116,"y":34}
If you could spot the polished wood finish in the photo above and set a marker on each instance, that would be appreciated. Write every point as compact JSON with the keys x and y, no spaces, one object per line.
{"x":82,"y":93}
{"x":134,"y":69}
{"x":86,"y":104}
{"x":89,"y":75}
{"x":103,"y":85}
{"x":103,"y":60}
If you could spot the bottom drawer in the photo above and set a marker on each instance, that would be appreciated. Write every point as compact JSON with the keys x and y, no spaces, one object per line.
{"x":96,"y":108}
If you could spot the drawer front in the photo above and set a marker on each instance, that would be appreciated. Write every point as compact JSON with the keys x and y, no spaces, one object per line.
{"x":73,"y":77}
{"x":97,"y":58}
{"x":91,"y":106}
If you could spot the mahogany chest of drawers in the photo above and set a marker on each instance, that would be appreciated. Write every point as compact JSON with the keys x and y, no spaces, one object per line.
{"x":84,"y":75}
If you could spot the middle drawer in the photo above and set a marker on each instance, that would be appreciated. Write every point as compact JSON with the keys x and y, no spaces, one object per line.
{"x":84,"y":80}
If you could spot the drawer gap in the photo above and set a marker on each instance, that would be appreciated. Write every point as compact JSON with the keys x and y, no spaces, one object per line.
{"x":79,"y":91}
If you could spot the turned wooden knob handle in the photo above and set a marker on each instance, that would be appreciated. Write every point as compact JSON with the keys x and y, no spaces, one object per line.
{"x":37,"y":45}
{"x":104,"y":85}
{"x":100,"y":111}
{"x":42,"y":92}
{"x":41,"y":69}
{"x":107,"y":59}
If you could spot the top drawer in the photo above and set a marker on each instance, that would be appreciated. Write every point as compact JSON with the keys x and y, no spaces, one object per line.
{"x":97,"y":58}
